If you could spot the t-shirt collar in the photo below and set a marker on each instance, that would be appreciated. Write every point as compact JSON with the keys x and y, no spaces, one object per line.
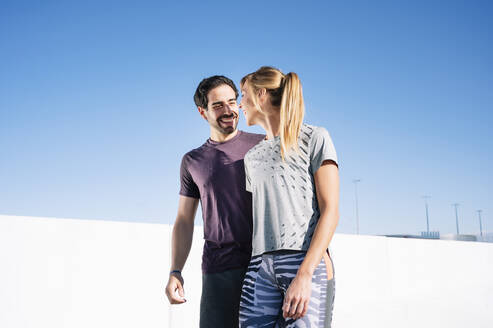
{"x":215,"y":143}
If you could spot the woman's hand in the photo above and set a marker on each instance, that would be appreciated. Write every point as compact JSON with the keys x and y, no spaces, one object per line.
{"x":297,"y":296}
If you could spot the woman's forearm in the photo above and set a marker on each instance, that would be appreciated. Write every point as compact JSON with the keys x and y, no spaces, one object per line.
{"x":322,"y":236}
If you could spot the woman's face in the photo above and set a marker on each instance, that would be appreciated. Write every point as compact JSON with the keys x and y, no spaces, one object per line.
{"x":247,"y":104}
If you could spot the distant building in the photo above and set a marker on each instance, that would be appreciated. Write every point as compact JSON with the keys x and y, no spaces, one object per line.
{"x":424,"y":235}
{"x":486,"y":238}
{"x":461,"y":237}
{"x":430,"y":234}
{"x":403,"y":235}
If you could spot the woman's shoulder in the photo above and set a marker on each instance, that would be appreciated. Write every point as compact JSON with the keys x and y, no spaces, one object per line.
{"x":255,"y":149}
{"x":313,"y":131}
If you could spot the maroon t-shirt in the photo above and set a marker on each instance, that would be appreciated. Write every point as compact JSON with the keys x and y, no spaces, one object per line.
{"x":215,"y":174}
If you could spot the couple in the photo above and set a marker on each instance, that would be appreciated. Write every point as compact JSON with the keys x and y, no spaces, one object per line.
{"x":276,"y":272}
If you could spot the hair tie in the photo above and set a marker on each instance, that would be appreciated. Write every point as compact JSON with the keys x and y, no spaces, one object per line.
{"x":283,"y":82}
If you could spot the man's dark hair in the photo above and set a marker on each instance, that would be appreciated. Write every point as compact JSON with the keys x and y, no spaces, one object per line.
{"x":207,"y":85}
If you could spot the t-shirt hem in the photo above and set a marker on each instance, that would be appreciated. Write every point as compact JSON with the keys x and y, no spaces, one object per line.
{"x":327,"y":159}
{"x":189,"y":195}
{"x":298,"y":249}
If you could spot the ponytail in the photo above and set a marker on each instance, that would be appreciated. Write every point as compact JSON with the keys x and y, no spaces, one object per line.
{"x":292,"y":112}
{"x":286,"y":93}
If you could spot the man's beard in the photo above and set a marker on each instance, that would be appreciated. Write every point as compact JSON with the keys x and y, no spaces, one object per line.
{"x":227,"y":129}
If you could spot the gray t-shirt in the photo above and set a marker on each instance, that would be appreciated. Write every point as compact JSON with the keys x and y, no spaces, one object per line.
{"x":285,"y":207}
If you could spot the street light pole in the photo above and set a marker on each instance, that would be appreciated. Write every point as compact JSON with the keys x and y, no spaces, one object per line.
{"x":456,"y":216}
{"x":427,"y":217}
{"x":355,"y":181}
{"x":480,"y":223}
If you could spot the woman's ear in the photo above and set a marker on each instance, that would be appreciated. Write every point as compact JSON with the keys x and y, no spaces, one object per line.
{"x":262,"y":95}
{"x":262,"y":92}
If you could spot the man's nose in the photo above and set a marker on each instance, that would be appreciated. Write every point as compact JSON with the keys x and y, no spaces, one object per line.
{"x":228,"y":108}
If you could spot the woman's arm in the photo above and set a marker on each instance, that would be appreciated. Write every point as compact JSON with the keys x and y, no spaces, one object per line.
{"x":327,"y":187}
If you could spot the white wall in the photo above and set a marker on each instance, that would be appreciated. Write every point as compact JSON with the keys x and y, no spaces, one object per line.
{"x":76,"y":273}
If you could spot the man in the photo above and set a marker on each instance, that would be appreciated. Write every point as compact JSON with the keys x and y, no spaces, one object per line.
{"x":214,"y":174}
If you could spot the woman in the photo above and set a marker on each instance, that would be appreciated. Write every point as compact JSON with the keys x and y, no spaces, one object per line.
{"x":293,"y":177}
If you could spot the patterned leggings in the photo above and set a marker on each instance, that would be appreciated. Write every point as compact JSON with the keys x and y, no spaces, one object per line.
{"x":266,"y":281}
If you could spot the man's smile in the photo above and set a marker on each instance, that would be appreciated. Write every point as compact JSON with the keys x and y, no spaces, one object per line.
{"x":228,"y":119}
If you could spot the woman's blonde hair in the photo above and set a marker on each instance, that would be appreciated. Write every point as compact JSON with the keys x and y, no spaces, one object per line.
{"x":286,"y":93}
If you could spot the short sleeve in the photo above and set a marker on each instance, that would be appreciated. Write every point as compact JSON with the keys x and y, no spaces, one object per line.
{"x":321,"y":149}
{"x":187,"y":185}
{"x":248,"y":182}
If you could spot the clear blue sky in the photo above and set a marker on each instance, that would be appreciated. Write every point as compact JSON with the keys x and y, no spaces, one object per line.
{"x":96,"y":104}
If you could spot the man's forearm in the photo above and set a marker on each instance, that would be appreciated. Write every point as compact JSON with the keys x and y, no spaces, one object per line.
{"x":181,"y":243}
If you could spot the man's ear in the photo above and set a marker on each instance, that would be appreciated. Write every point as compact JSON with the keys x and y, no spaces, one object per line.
{"x":202,"y":112}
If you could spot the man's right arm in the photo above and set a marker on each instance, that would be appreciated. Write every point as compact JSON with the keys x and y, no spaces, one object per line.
{"x":180,"y":246}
